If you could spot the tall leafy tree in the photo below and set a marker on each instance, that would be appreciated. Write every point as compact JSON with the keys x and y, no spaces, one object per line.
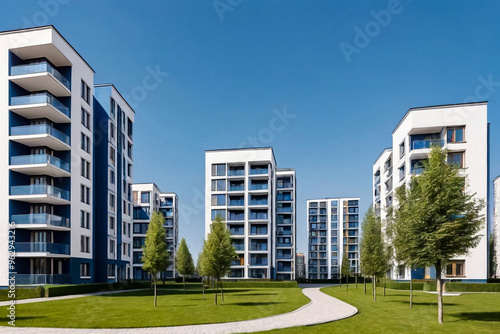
{"x":374,"y":252}
{"x":184,"y":262}
{"x":439,"y":220}
{"x":345,"y":270}
{"x":155,"y":254}
{"x":218,"y":252}
{"x":201,"y":273}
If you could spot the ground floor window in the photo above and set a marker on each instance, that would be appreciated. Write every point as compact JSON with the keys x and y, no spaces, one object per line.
{"x":455,"y":268}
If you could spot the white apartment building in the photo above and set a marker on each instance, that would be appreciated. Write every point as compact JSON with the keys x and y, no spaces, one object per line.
{"x":146,"y":199}
{"x":332,"y":233}
{"x":463,"y":130}
{"x":257,"y":201}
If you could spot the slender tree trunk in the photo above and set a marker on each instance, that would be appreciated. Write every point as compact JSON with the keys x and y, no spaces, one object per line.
{"x":439,"y":291}
{"x":384,"y":289}
{"x":202,"y":288}
{"x":411,"y":288}
{"x":364,"y":283}
{"x":356,"y":280}
{"x":184,"y":281}
{"x":216,"y":290}
{"x":222,"y":291}
{"x":155,"y":289}
{"x":347,"y":283}
{"x":340,"y":280}
{"x":374,"y":288}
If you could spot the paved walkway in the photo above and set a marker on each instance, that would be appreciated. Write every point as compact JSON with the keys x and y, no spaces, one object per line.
{"x":322,"y":308}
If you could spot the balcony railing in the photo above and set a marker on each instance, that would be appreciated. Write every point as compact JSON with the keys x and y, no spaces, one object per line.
{"x":421,"y":144}
{"x":237,"y":202}
{"x":40,"y":189}
{"x":35,"y":159}
{"x":258,"y":171}
{"x":236,"y":172}
{"x":259,"y":262}
{"x":40,"y":218}
{"x":418,"y":170}
{"x":44,"y":247}
{"x":236,"y":187}
{"x":284,"y":256}
{"x":39,"y":67}
{"x":284,"y":232}
{"x":285,"y":185}
{"x":42,"y":279}
{"x":284,"y":209}
{"x":258,"y":247}
{"x":284,"y":244}
{"x":40,"y":98}
{"x":258,"y":202}
{"x":257,"y":216}
{"x":39,"y":129}
{"x":239,"y":247}
{"x":258,"y":186}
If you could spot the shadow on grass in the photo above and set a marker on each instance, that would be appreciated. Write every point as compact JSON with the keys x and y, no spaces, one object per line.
{"x":478,"y":316}
{"x":421,"y":303}
{"x":166,"y":291}
{"x":254,"y":304}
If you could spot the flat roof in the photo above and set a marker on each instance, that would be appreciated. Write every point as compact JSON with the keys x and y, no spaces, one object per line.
{"x":112,"y":85}
{"x":244,"y":148}
{"x":384,"y":150}
{"x":438,"y":107}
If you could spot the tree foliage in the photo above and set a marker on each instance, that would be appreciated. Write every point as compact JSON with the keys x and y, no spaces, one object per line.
{"x":184,"y":263}
{"x":437,"y":218}
{"x":218,"y":252}
{"x":155,"y":254}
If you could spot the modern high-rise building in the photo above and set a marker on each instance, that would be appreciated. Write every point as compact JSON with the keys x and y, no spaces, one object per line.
{"x":463,"y":130}
{"x":257,"y":201}
{"x":300,"y":267}
{"x":332,"y":233}
{"x":146,"y":199}
{"x":50,"y":180}
{"x":496,"y":224}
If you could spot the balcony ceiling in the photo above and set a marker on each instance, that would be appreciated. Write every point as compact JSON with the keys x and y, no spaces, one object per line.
{"x":45,"y":199}
{"x":49,"y":51}
{"x":40,"y":169}
{"x":40,"y":110}
{"x":35,"y":82}
{"x":41,"y":140}
{"x":425,"y":130}
{"x":41,"y":254}
{"x":42,"y":227}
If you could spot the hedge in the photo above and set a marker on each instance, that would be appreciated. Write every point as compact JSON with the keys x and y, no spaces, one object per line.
{"x":260,"y":284}
{"x":64,"y":290}
{"x":22,"y":293}
{"x":472,"y":287}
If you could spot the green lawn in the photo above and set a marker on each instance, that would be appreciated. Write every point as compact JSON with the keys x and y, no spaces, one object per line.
{"x":468,"y":313}
{"x":135,"y":309}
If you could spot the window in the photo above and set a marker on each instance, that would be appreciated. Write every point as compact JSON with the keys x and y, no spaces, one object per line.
{"x":145,"y":197}
{"x":85,"y":169}
{"x":129,"y":150}
{"x":112,"y":130}
{"x":401,"y":172}
{"x":129,"y":127}
{"x":111,"y":177}
{"x":111,"y":270}
{"x":112,"y":246}
{"x":124,"y":228}
{"x":219,"y":170}
{"x":455,"y":268}
{"x":84,"y":194}
{"x":455,"y":135}
{"x":111,"y":223}
{"x":456,"y":159}
{"x":113,"y":107}
{"x":402,"y":149}
{"x":218,"y":200}
{"x":125,"y":248}
{"x":85,"y":92}
{"x":84,"y":244}
{"x":112,"y":155}
{"x":85,"y":119}
{"x":129,"y":170}
{"x":112,"y":202}
{"x":85,"y":145}
{"x":84,"y":269}
{"x":221,"y":213}
{"x":219,"y":185}
{"x":84,"y":219}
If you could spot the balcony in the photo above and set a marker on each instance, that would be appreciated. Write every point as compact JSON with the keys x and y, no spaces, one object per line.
{"x":236,"y":171}
{"x":285,"y":232}
{"x":258,"y":171}
{"x":236,"y":202}
{"x":285,"y":209}
{"x":39,"y":193}
{"x":42,"y":279}
{"x":258,"y":202}
{"x":284,"y":256}
{"x":40,"y":221}
{"x":40,"y":247}
{"x":428,"y":143}
{"x":283,"y":244}
{"x":237,"y":187}
{"x":39,"y":106}
{"x":258,"y":186}
{"x":285,"y":185}
{"x":40,"y":135}
{"x":40,"y":76}
{"x":40,"y":164}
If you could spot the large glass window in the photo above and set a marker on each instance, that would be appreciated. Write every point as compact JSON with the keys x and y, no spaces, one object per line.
{"x":221,"y":213}
{"x":456,"y":159}
{"x":219,"y":170}
{"x":218,"y":200}
{"x":218,"y":185}
{"x":145,"y":196}
{"x":455,"y":135}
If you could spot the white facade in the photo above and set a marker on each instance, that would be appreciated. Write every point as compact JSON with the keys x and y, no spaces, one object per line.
{"x":462,"y":129}
{"x":496,"y":223}
{"x":332,"y":233}
{"x":41,"y":102}
{"x":241,"y":185}
{"x":146,"y":199}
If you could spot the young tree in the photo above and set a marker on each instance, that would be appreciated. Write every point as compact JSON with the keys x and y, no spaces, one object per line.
{"x":440,"y":219}
{"x":201,"y":273}
{"x":345,"y":270}
{"x":218,"y":252}
{"x":184,"y":262}
{"x":374,"y":253}
{"x":155,"y":254}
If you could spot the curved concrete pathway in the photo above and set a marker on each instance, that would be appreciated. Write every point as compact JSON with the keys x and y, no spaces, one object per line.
{"x":322,"y":308}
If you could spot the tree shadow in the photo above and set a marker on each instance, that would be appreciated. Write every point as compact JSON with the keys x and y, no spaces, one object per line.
{"x":422,"y":303}
{"x":478,"y":316}
{"x":254,"y":304}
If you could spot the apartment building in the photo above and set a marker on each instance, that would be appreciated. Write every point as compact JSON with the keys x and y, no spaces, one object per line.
{"x":496,"y":224}
{"x":146,"y":199}
{"x":463,"y":130}
{"x":49,"y":182}
{"x":332,"y":233}
{"x":257,"y":201}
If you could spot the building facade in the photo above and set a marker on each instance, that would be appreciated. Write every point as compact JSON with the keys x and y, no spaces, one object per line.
{"x":48,"y":185}
{"x":332,"y":233}
{"x":146,"y":199}
{"x":257,"y":201}
{"x":463,"y":130}
{"x":496,"y":225}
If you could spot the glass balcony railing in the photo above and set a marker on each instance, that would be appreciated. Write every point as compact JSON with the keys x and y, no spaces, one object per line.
{"x":284,"y":185}
{"x":40,"y":98}
{"x":284,"y":221}
{"x":258,"y":171}
{"x":39,"y":67}
{"x":284,"y":209}
{"x":40,"y":218}
{"x":284,"y":232}
{"x":237,"y":202}
{"x":421,"y":144}
{"x":239,"y":247}
{"x":284,"y":256}
{"x":44,"y":247}
{"x":258,"y":186}
{"x":236,"y":187}
{"x":258,"y":247}
{"x":257,"y":216}
{"x":284,"y":244}
{"x":260,"y":262}
{"x":42,"y":279}
{"x":418,"y":170}
{"x":284,"y":268}
{"x":236,"y":172}
{"x":258,"y":202}
{"x":35,"y":159}
{"x":40,"y":189}
{"x":39,"y":129}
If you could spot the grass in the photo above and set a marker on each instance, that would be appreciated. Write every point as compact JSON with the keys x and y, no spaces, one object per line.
{"x":467,"y":313}
{"x":135,"y":308}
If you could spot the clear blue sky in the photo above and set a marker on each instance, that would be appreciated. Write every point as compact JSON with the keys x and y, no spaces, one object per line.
{"x":228,"y":71}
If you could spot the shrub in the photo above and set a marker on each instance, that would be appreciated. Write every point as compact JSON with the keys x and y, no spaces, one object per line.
{"x":260,"y":284}
{"x":64,"y":290}
{"x":22,"y":293}
{"x":472,"y":287}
